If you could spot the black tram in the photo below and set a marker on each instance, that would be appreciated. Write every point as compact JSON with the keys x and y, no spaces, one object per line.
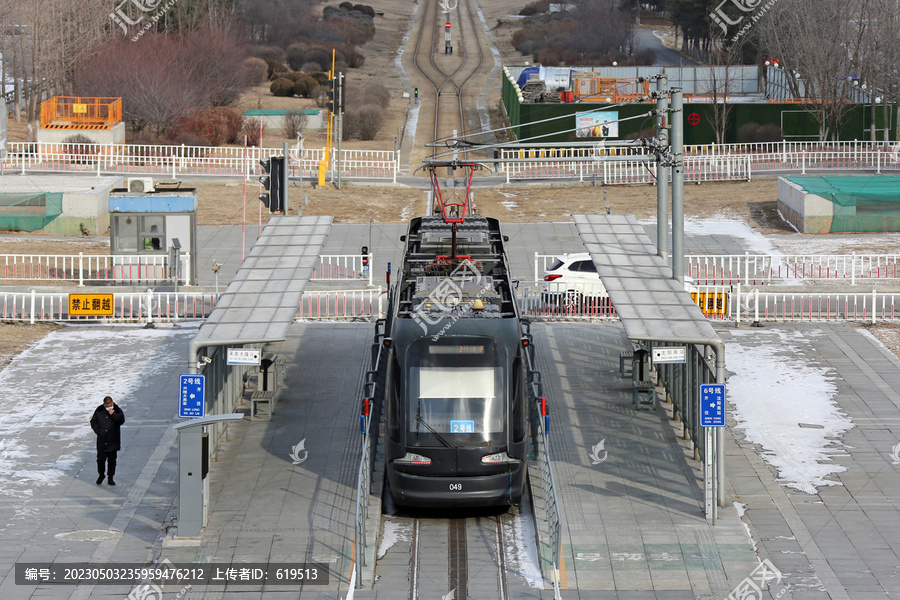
{"x":456,"y":401}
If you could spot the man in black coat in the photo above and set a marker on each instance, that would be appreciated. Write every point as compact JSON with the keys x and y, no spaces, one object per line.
{"x":106,"y":422}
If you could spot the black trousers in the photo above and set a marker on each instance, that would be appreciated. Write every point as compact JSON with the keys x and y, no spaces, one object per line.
{"x":104,"y":457}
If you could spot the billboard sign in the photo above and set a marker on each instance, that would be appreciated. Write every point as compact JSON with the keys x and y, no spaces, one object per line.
{"x":597,"y":124}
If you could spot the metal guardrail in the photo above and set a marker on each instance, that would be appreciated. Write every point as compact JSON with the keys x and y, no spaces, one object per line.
{"x":374,"y":398}
{"x":340,"y":267}
{"x":541,"y":442}
{"x":711,"y":162}
{"x":342,"y":304}
{"x":145,"y":307}
{"x":758,"y":306}
{"x":696,"y":169}
{"x":755,"y":269}
{"x":554,"y":300}
{"x":175,"y":161}
{"x":118,"y":268}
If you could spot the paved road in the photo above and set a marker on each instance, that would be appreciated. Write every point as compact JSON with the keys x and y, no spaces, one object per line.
{"x":665,"y":57}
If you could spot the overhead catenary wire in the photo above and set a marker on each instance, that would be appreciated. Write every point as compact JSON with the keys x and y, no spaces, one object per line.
{"x":638,"y":142}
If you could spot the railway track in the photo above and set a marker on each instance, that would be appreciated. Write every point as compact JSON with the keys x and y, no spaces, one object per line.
{"x":448,"y":82}
{"x":454,"y":558}
{"x":479,"y":554}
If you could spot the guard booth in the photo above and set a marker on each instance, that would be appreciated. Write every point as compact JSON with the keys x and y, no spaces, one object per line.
{"x":149,"y":223}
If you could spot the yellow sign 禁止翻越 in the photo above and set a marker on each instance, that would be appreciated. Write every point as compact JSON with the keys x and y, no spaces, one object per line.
{"x":91,"y":305}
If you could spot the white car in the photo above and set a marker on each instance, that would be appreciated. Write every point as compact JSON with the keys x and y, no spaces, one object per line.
{"x":572,"y":281}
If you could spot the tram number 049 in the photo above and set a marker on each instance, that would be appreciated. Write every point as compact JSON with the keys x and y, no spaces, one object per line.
{"x":455,"y":487}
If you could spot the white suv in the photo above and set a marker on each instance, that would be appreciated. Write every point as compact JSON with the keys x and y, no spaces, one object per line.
{"x":572,"y":281}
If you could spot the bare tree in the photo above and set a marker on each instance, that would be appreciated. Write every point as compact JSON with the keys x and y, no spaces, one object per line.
{"x":879,"y":52}
{"x":43,"y":41}
{"x":293,"y":122}
{"x":183,"y":77}
{"x":819,"y":41}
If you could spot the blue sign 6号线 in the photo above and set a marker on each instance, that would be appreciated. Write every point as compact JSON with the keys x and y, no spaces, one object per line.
{"x":712,"y":405}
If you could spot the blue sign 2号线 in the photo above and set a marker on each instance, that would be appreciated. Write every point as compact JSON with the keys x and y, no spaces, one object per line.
{"x":191,"y":396}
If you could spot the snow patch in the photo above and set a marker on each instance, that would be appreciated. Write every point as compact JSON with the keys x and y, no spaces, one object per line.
{"x":393,"y":532}
{"x":772,"y":392}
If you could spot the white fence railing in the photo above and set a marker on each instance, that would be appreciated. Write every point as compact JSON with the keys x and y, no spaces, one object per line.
{"x":571,"y":300}
{"x":712,"y":162}
{"x":342,"y":304}
{"x":696,"y":169}
{"x":141,"y":307}
{"x":340,"y":267}
{"x":137,"y":269}
{"x":755,"y":305}
{"x":725,"y":303}
{"x":755,"y":269}
{"x":119,"y":268}
{"x":175,"y":161}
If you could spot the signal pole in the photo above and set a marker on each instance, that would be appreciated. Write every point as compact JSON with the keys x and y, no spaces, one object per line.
{"x":677,"y":121}
{"x":339,"y":121}
{"x":285,"y":181}
{"x":662,"y":171}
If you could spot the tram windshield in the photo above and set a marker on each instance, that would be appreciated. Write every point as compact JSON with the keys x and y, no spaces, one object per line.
{"x":456,"y":393}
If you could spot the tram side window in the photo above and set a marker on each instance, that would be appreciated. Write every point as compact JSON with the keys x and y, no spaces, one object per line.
{"x":519,"y":400}
{"x":393,"y":414}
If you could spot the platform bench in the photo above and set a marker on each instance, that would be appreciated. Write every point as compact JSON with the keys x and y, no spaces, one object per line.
{"x":644,"y":387}
{"x":625,"y":359}
{"x":262,"y":405}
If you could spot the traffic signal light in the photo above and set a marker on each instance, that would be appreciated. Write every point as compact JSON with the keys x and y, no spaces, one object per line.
{"x":329,"y":95}
{"x":271,"y":179}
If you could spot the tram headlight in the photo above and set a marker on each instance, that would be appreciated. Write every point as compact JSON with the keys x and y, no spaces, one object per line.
{"x":500,"y":458}
{"x":412,"y":458}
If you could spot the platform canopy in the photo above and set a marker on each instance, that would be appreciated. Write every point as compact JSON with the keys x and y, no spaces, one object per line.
{"x":650,"y":303}
{"x":262,"y":300}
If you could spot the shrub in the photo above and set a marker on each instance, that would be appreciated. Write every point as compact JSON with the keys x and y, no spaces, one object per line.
{"x":292,"y":123}
{"x":311,"y":68}
{"x":254,"y":129}
{"x":254,"y":71}
{"x":282,"y":87}
{"x":319,"y":96}
{"x":275,"y":69}
{"x":749,"y":133}
{"x":368,"y":93}
{"x":350,"y":125}
{"x":304,"y":86}
{"x":267,"y":53}
{"x":355,"y":58}
{"x":770,"y":132}
{"x":371,"y":118}
{"x":215,"y":126}
{"x":318,"y":54}
{"x":538,"y":6}
{"x":75,"y":146}
{"x":189,"y":139}
{"x":78,"y":138}
{"x":296,"y":54}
